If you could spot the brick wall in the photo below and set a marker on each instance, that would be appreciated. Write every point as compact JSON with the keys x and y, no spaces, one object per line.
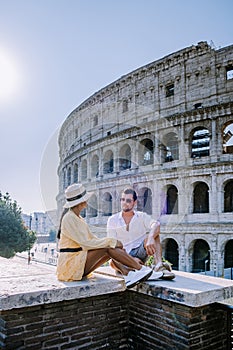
{"x":90,"y":323}
{"x":156,"y":324}
{"x":126,"y":320}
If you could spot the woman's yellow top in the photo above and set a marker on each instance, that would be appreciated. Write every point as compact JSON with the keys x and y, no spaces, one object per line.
{"x":75,"y":233}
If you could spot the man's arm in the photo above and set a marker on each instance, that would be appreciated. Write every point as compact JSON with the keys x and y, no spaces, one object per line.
{"x":154,"y":233}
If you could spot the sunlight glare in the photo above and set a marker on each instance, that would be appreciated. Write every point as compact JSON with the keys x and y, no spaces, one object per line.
{"x":9,"y":76}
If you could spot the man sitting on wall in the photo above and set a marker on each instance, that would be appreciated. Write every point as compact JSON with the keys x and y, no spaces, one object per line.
{"x":140,"y":235}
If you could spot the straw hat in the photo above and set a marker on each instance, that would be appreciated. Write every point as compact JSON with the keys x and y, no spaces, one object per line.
{"x":76,"y":194}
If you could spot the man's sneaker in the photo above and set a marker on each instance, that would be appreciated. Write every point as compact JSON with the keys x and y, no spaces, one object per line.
{"x":155,"y":276}
{"x":167,"y":265}
{"x":134,"y":277}
{"x":167,"y":274}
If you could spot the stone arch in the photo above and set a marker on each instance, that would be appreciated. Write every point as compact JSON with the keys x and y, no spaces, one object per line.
{"x":171,"y":252}
{"x":125,"y":157}
{"x":69,"y":176}
{"x":227,"y":137}
{"x":107,"y":204}
{"x":95,"y":166}
{"x":163,"y":200}
{"x":228,"y":254}
{"x":228,"y":196}
{"x":93,"y":206}
{"x":172,"y":200}
{"x":146,"y":152}
{"x":200,"y":142}
{"x":84,"y":170}
{"x":108,"y":162}
{"x":145,"y":200}
{"x":64,"y":179}
{"x":170,"y":149}
{"x":201,"y":197}
{"x":75,"y":173}
{"x":200,"y":253}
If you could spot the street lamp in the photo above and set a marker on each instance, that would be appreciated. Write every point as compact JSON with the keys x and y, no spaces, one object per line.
{"x":30,"y":227}
{"x":206,"y":262}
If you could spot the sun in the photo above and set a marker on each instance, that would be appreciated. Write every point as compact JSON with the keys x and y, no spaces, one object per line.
{"x":9,"y":76}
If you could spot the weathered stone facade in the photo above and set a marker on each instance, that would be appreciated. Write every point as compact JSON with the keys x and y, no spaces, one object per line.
{"x":165,"y":129}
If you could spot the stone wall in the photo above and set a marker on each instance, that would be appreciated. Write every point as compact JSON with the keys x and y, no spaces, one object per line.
{"x":127,"y":320}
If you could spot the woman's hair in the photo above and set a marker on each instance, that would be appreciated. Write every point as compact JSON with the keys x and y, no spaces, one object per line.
{"x":59,"y":228}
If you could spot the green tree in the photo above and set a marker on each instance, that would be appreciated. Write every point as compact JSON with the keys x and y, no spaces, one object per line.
{"x":14,"y":236}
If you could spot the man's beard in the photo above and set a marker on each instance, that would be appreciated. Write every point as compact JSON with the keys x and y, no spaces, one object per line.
{"x":126,"y":210}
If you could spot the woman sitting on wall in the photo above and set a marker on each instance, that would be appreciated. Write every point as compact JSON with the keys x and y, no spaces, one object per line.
{"x":81,"y":252}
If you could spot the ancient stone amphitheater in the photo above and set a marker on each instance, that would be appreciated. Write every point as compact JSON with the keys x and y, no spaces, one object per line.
{"x":165,"y":129}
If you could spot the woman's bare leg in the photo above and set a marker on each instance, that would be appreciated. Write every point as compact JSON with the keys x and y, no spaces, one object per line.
{"x":120,"y":256}
{"x":97,"y":257}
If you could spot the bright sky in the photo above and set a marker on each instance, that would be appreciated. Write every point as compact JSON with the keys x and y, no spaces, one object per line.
{"x":56,"y":53}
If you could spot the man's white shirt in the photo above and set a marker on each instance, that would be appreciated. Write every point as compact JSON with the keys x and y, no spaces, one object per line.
{"x":138,"y":228}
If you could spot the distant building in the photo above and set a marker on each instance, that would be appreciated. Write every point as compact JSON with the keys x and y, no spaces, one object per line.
{"x":41,"y":222}
{"x":165,"y":129}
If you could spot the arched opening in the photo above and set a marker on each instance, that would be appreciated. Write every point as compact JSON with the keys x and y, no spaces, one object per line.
{"x":69,"y":177}
{"x":108,"y":162}
{"x":84,"y":170}
{"x":228,"y":254}
{"x":172,"y":200}
{"x":201,"y":256}
{"x":146,"y":152}
{"x":172,"y":253}
{"x":107,"y":204}
{"x":95,"y":166}
{"x":144,"y":202}
{"x":201,"y":198}
{"x":125,"y":158}
{"x":93,"y":206}
{"x":227,"y":136}
{"x":170,"y":147}
{"x":64,"y":179}
{"x":228,"y":197}
{"x":75,"y":173}
{"x":200,"y":143}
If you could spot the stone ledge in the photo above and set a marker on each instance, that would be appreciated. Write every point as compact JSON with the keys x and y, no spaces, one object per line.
{"x":193,"y":290}
{"x":187,"y":288}
{"x":23,"y":285}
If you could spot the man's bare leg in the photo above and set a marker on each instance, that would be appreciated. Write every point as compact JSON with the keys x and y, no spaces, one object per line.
{"x":157,"y":254}
{"x":158,"y":251}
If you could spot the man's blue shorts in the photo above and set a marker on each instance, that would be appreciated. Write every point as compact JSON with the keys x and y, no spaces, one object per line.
{"x":139,"y":252}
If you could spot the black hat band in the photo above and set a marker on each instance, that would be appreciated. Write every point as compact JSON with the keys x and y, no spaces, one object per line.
{"x":77,"y":197}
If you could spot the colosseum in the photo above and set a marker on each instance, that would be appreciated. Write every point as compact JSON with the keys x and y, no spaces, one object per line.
{"x":166,"y":129}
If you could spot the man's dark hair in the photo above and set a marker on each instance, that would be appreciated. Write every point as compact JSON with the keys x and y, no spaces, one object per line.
{"x":130,"y":190}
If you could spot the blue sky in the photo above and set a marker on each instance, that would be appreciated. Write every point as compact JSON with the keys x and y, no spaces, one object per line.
{"x":56,"y":53}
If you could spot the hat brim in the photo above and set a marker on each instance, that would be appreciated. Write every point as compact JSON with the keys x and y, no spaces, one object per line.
{"x":78,"y":201}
